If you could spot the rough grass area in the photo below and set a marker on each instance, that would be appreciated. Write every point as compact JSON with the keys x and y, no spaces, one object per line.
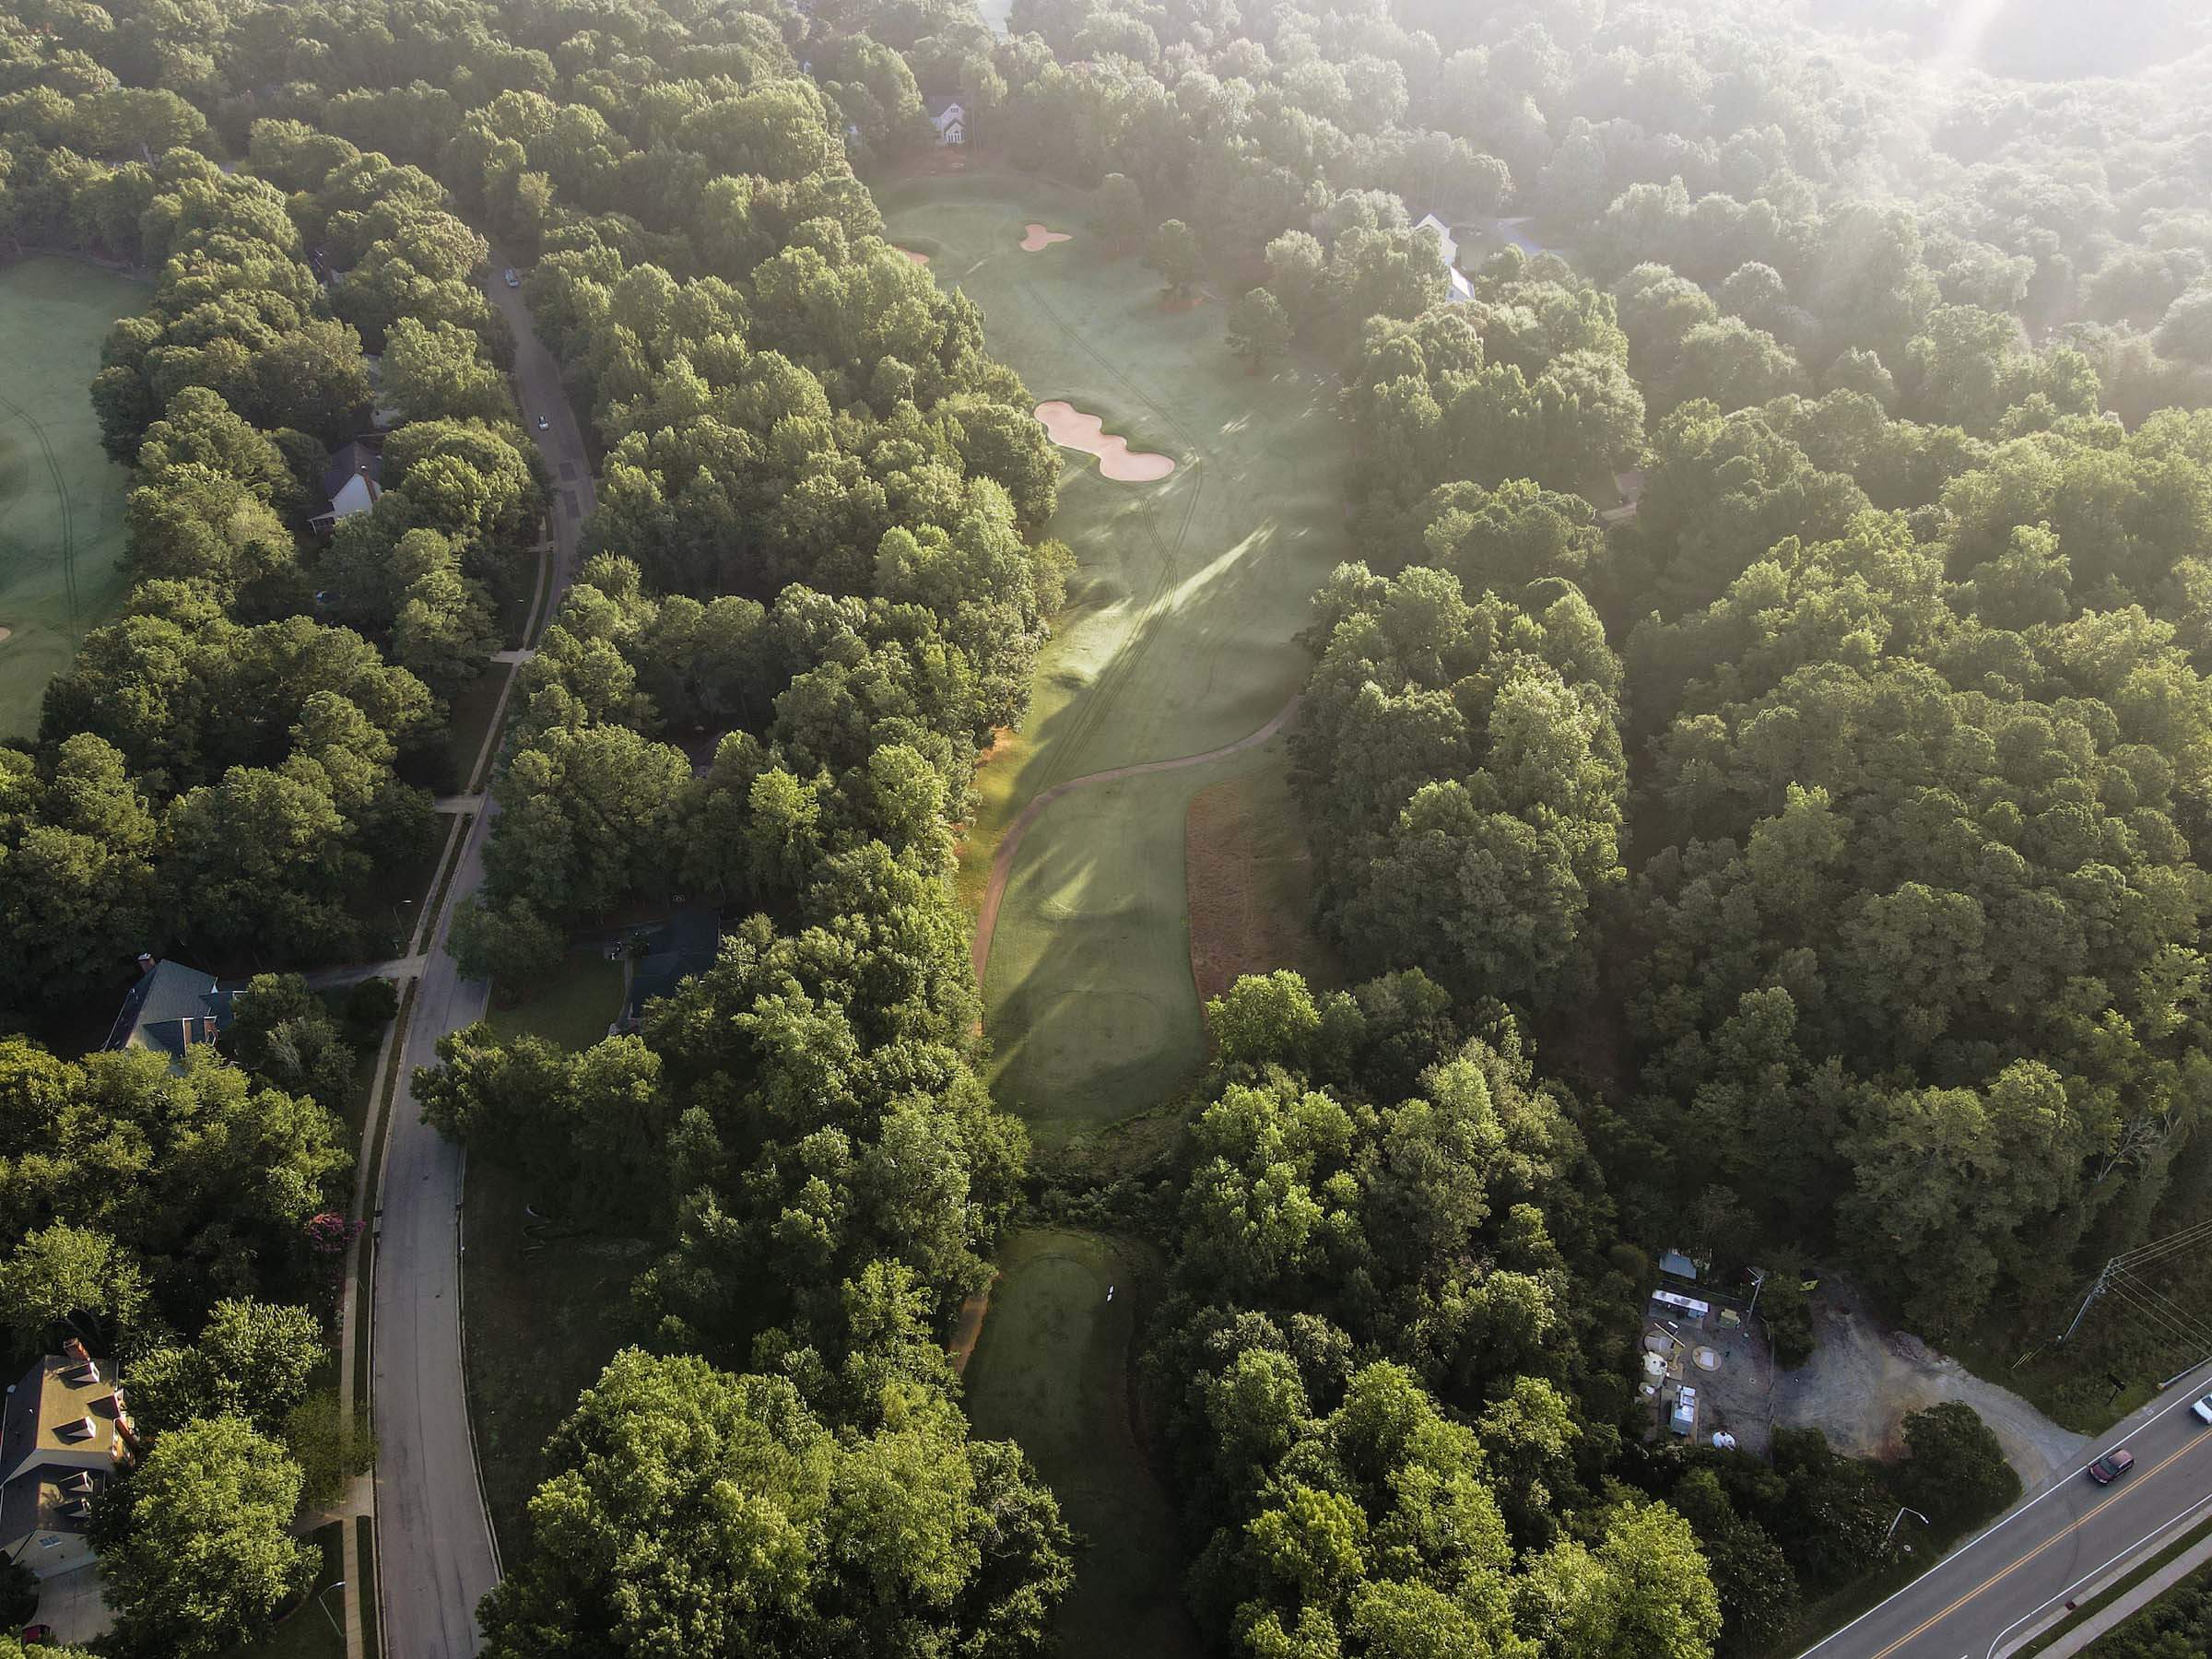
{"x":573,"y":1007}
{"x":61,"y":497}
{"x":1250,"y":874}
{"x":1052,"y":1373}
{"x":546,"y":1309}
{"x":307,"y":1631}
{"x":1177,"y":639}
{"x":472,"y":708}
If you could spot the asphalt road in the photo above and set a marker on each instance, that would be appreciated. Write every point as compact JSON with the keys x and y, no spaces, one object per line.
{"x":437,"y":1559}
{"x":1990,"y":1595}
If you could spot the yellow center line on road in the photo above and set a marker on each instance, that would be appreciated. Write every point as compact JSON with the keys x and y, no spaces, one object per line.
{"x":1997,"y":1578}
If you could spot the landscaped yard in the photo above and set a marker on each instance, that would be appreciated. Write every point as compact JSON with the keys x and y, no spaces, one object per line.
{"x":309,"y":1631}
{"x":547,"y":1307}
{"x":61,"y":497}
{"x":573,"y":1007}
{"x":1052,"y":1373}
{"x":1178,"y":640}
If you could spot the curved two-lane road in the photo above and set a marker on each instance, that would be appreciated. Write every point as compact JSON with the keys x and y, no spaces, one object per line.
{"x":1990,"y":1596}
{"x":437,"y":1558}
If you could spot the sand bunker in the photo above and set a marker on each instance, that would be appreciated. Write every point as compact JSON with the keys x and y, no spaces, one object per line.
{"x":920,"y":259}
{"x":1038,"y":238}
{"x":1070,"y":428}
{"x":3,"y":634}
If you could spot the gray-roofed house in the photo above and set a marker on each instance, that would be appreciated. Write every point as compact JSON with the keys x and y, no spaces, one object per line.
{"x":949,"y":117}
{"x":682,"y":947}
{"x":66,"y":1433}
{"x":352,"y":482}
{"x":172,"y":1008}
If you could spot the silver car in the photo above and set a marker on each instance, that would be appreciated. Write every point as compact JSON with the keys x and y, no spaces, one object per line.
{"x":2204,"y":1409}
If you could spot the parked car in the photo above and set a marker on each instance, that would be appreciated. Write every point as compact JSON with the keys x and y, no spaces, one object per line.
{"x":2112,"y":1465}
{"x":512,"y":280}
{"x":544,"y":425}
{"x":37,"y":1635}
{"x":2204,"y":1409}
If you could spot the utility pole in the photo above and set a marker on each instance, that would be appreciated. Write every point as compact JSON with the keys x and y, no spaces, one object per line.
{"x":2104,"y":1277}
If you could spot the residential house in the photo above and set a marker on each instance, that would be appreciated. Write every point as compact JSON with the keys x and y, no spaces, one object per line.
{"x":1461,"y":290}
{"x":66,"y":1433}
{"x":352,"y":482}
{"x":949,"y":119}
{"x":682,"y":947}
{"x":172,"y":1007}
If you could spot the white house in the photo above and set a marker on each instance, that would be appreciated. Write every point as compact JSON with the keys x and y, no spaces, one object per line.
{"x":353,"y":481}
{"x":1428,"y":222}
{"x":1461,"y":290}
{"x":950,"y":119}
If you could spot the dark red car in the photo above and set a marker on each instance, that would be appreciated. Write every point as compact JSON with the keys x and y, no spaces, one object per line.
{"x":2112,"y":1465}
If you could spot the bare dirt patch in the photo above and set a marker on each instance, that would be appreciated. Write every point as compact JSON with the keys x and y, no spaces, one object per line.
{"x":1071,"y":428}
{"x":1250,"y":878}
{"x":1863,"y":1380}
{"x":920,"y":259}
{"x":1038,"y":239}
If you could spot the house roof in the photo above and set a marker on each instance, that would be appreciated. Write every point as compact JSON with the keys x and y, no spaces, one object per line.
{"x":57,"y":1446}
{"x":354,"y":460}
{"x":940,"y":104}
{"x":682,"y":947}
{"x":169,"y":1008}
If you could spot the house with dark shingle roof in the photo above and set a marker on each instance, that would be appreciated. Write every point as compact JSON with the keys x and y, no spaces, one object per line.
{"x":352,"y":482}
{"x":172,"y":1007}
{"x":682,"y":947}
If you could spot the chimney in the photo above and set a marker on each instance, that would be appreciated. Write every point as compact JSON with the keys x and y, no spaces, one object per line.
{"x":145,"y":961}
{"x":75,"y":1348}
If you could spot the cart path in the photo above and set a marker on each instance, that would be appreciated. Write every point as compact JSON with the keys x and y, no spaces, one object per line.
{"x":1002,"y":862}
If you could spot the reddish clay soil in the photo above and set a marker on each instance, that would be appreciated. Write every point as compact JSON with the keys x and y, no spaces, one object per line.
{"x":1070,"y":428}
{"x":1002,"y":863}
{"x":920,"y":259}
{"x":1038,"y":238}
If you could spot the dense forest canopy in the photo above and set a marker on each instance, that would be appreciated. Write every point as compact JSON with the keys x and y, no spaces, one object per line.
{"x":1758,"y":757}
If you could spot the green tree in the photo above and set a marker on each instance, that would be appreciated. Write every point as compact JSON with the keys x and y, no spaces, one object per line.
{"x":1173,"y":253}
{"x":939,"y":1540}
{"x":252,"y":1360}
{"x":207,"y":1557}
{"x":1258,"y":328}
{"x":1954,"y":1470}
{"x":69,"y":1279}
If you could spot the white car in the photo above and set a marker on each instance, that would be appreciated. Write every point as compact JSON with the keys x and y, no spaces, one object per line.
{"x":544,"y":425}
{"x":2204,"y":1409}
{"x":514,"y":278}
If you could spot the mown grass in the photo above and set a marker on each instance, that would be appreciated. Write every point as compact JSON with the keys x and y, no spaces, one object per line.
{"x":62,"y":530}
{"x":572,"y":1007}
{"x":1177,"y":639}
{"x":1052,"y":1373}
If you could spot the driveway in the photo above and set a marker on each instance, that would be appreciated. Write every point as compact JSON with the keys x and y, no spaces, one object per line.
{"x":437,"y":1556}
{"x":1861,"y":1382}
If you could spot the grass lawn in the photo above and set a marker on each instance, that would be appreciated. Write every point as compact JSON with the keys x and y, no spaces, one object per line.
{"x":1052,"y":1373}
{"x":544,"y":1313}
{"x":307,"y":1631}
{"x":61,"y":497}
{"x":1251,"y":875}
{"x":472,"y":713}
{"x":1177,"y":639}
{"x":573,"y":1007}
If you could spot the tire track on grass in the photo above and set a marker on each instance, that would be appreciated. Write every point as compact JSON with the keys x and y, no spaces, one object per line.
{"x":61,"y":490}
{"x":1002,"y":862}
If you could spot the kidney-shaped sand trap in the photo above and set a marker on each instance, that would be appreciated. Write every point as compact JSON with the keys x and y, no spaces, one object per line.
{"x":1070,"y":428}
{"x":1038,"y":238}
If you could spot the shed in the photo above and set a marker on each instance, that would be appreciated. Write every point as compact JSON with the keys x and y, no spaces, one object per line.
{"x":1674,"y":1263}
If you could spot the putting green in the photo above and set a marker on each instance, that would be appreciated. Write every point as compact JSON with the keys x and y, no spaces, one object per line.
{"x":1052,"y":1370}
{"x":1177,"y":639}
{"x":62,"y":530}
